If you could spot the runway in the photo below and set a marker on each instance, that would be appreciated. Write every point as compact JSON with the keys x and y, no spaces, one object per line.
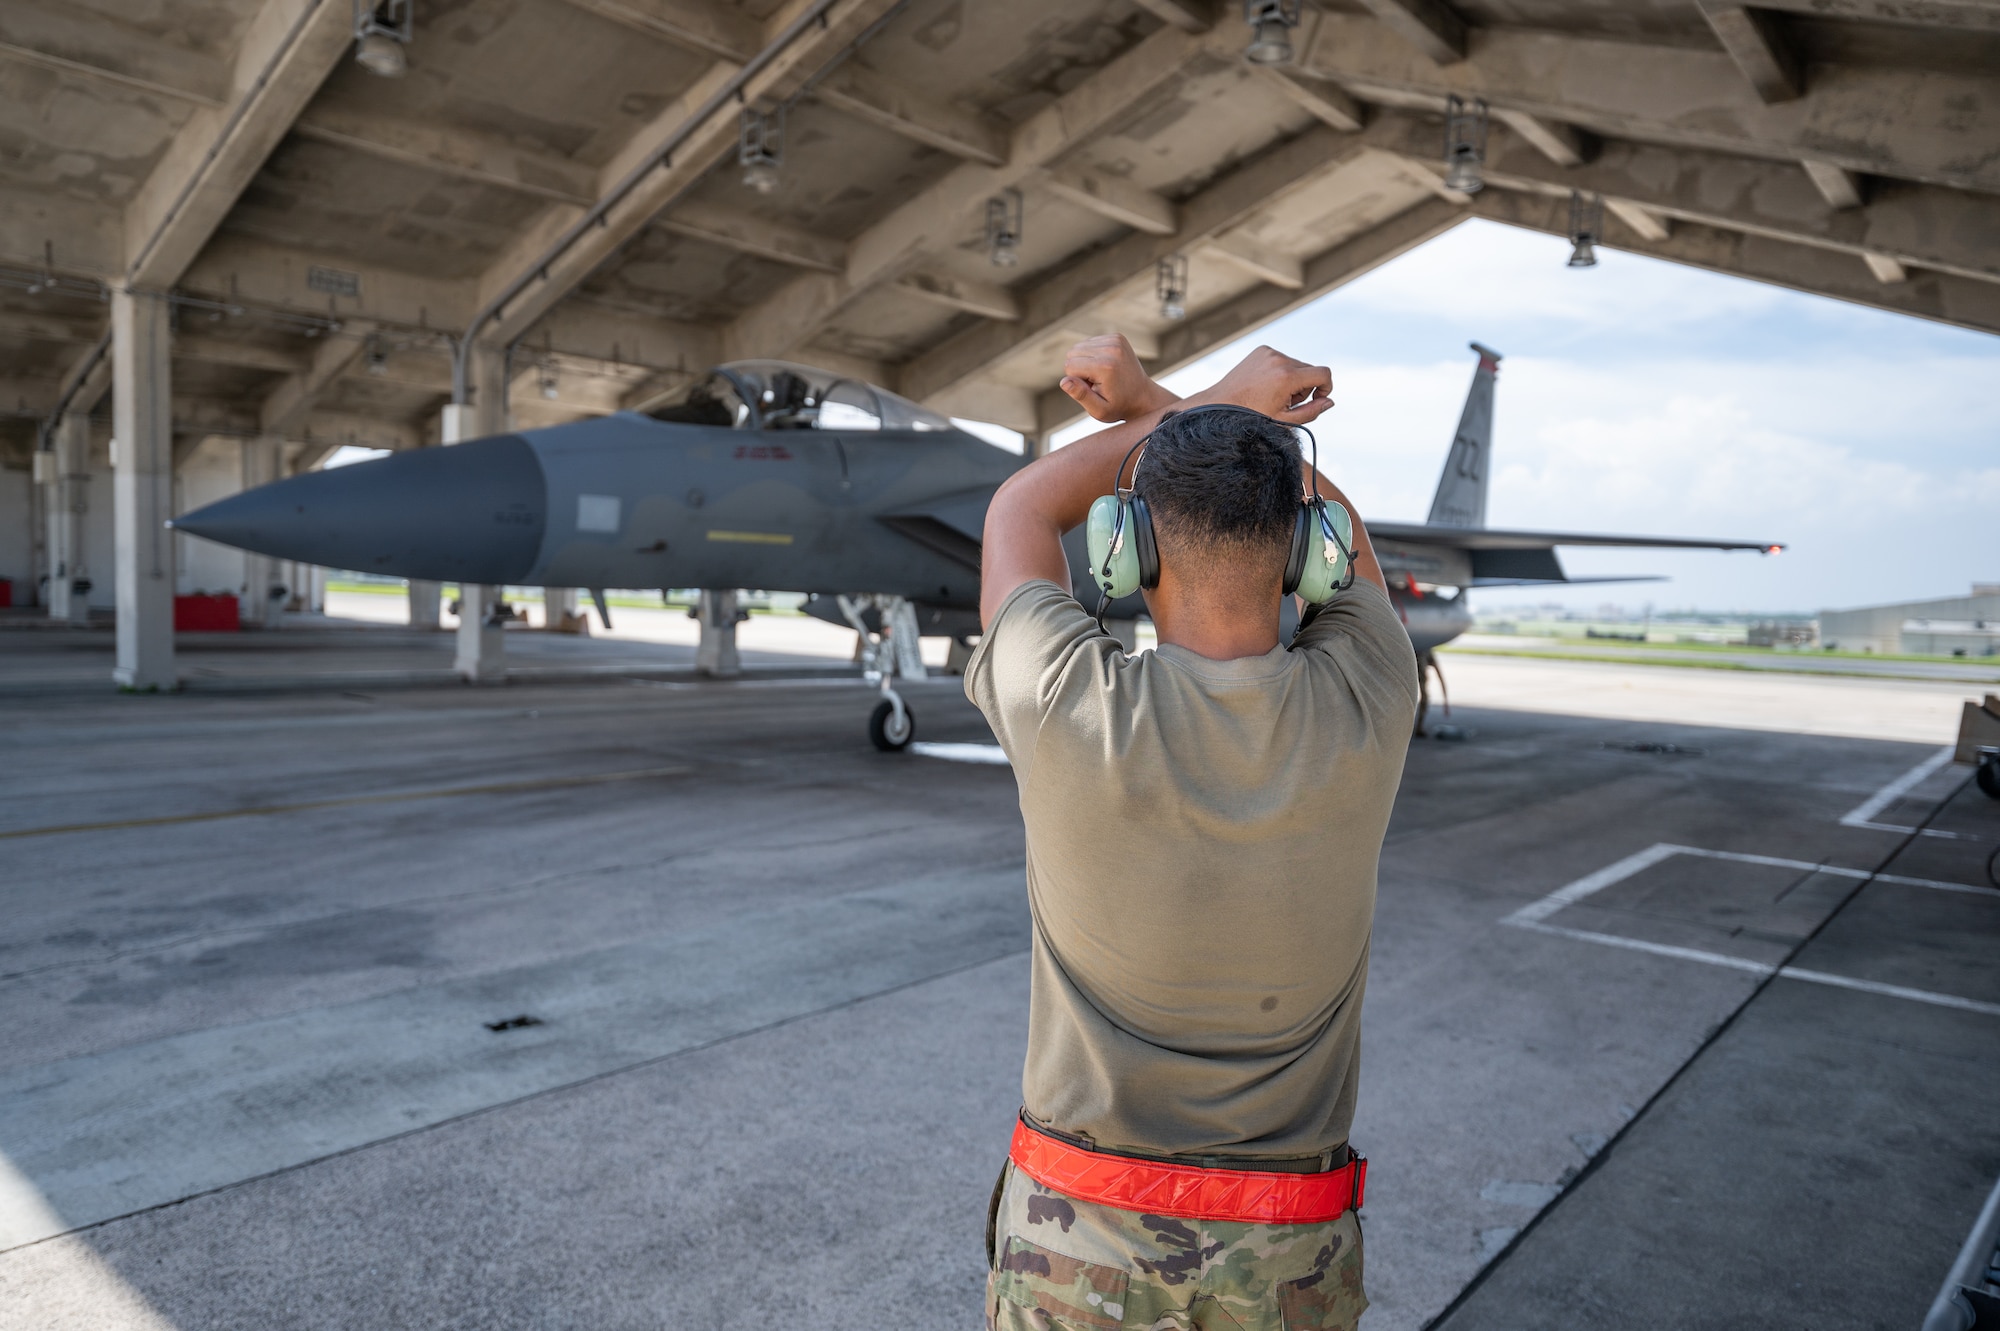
{"x":775,"y":986}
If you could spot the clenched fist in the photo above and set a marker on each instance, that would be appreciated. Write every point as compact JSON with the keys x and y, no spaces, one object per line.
{"x":1271,"y":382}
{"x":1105,"y":378}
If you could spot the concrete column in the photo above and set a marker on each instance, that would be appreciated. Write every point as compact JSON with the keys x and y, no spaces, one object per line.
{"x":424,"y":603}
{"x":481,"y":639}
{"x":717,"y":656}
{"x":262,"y":458}
{"x":557,"y":602}
{"x":316,"y":583}
{"x":142,"y":489}
{"x":68,"y":512}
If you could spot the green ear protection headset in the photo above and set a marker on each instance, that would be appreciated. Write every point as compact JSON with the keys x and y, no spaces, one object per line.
{"x":1124,"y":556}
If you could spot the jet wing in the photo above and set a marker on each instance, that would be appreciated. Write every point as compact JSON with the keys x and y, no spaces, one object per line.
{"x":1519,"y":558}
{"x":1489,"y":538}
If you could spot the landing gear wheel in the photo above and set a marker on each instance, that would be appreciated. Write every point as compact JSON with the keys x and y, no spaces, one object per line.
{"x":1989,"y":774}
{"x":883,"y":731}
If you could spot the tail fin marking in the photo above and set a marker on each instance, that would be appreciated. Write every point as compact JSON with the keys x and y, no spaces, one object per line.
{"x":1460,"y":500}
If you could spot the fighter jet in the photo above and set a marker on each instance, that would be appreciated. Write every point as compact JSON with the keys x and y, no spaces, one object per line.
{"x":779,"y":476}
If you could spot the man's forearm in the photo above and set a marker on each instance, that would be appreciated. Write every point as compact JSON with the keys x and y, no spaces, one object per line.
{"x":1031,"y":511}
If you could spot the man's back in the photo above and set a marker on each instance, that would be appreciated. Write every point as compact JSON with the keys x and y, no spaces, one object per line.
{"x":1202,"y":847}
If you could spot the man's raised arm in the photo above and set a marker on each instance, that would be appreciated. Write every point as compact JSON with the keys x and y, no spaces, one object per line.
{"x":1028,"y":516}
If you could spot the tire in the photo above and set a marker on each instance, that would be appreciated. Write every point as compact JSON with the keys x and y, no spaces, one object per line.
{"x":1989,"y":776}
{"x":882,"y":730}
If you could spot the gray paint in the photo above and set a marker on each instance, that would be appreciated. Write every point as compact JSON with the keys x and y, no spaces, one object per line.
{"x":630,"y":501}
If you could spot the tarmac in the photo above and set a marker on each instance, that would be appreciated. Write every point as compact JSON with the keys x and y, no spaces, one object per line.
{"x":1681,"y":1016}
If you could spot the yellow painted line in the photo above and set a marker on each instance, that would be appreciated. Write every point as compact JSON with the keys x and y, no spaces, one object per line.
{"x":449,"y":792}
{"x":752,"y":537}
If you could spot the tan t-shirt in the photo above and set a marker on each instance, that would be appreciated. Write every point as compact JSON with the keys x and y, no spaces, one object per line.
{"x":1202,"y":844}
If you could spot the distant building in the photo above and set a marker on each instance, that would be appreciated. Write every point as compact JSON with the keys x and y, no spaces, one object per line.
{"x":1954,"y":626}
{"x":1781,"y":633}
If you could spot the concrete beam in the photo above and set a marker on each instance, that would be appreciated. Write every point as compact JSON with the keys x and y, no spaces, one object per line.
{"x":88,"y":237}
{"x":208,"y":349}
{"x":718,"y":30}
{"x":1759,"y":49}
{"x":1565,"y":145}
{"x":287,"y":404}
{"x":329,"y":430}
{"x":142,"y":486}
{"x":75,"y":40}
{"x":1840,"y":189}
{"x":1187,"y":15}
{"x":1069,"y":298}
{"x":253,"y":272}
{"x":461,"y":154}
{"x":1903,"y":123}
{"x":1325,"y":102}
{"x":745,"y":234}
{"x":1650,"y":226}
{"x":1885,"y":269}
{"x":1247,"y":256}
{"x":1942,"y":297}
{"x":1974,"y":15}
{"x":936,"y":218}
{"x":1431,"y":26}
{"x":1117,"y":200}
{"x":1204,"y":332}
{"x":1946,"y":230}
{"x":709,"y":143}
{"x":858,"y":91}
{"x":286,"y":53}
{"x":957,"y":293}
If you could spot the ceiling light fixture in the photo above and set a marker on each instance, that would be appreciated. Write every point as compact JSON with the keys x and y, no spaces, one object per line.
{"x":760,"y":148}
{"x":382,"y":29}
{"x":1004,"y":215}
{"x":1271,"y":23}
{"x":546,"y":373}
{"x":1170,"y":279}
{"x":378,"y":356}
{"x":1586,"y":224}
{"x":1464,"y":144}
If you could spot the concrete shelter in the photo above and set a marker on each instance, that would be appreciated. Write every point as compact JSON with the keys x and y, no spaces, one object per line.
{"x":234,"y":246}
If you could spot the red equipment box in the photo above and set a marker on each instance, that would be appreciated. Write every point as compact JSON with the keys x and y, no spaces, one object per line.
{"x":206,"y":614}
{"x":6,"y":594}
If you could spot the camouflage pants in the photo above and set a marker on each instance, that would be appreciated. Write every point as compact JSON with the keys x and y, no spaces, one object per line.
{"x":1059,"y":1264}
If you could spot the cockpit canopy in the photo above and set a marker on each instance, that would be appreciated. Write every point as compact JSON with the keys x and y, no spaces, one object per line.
{"x":782,"y":395}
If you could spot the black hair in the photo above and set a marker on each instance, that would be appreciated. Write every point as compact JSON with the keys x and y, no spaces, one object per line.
{"x":1221,"y":477}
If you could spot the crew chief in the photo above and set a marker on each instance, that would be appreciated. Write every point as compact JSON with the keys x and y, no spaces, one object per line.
{"x":1203,"y":827}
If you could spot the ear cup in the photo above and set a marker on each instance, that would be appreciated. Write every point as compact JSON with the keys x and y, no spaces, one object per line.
{"x":1143,"y":545}
{"x":1114,"y":555}
{"x":1324,"y":570}
{"x":1295,"y":563}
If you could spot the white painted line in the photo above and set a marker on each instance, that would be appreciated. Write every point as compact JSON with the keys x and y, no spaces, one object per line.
{"x":1863,"y":814}
{"x":1536,"y":911}
{"x":1657,"y":949}
{"x":962,"y":753}
{"x":1761,"y":968}
{"x":1839,"y":871}
{"x":1891,"y":991}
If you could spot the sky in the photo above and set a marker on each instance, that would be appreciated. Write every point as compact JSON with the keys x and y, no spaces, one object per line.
{"x":1645,"y":397}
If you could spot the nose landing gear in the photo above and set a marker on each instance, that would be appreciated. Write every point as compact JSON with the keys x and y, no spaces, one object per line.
{"x":890,"y":654}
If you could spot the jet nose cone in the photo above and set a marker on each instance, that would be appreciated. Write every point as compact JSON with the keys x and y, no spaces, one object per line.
{"x":473,"y":512}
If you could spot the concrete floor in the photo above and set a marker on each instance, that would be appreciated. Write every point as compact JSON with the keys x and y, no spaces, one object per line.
{"x":246,"y":1078}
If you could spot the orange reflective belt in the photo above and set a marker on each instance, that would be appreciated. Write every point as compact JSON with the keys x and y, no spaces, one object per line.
{"x":1186,"y":1191}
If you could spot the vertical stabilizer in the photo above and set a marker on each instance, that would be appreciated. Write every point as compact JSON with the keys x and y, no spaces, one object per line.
{"x":1460,"y":500}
